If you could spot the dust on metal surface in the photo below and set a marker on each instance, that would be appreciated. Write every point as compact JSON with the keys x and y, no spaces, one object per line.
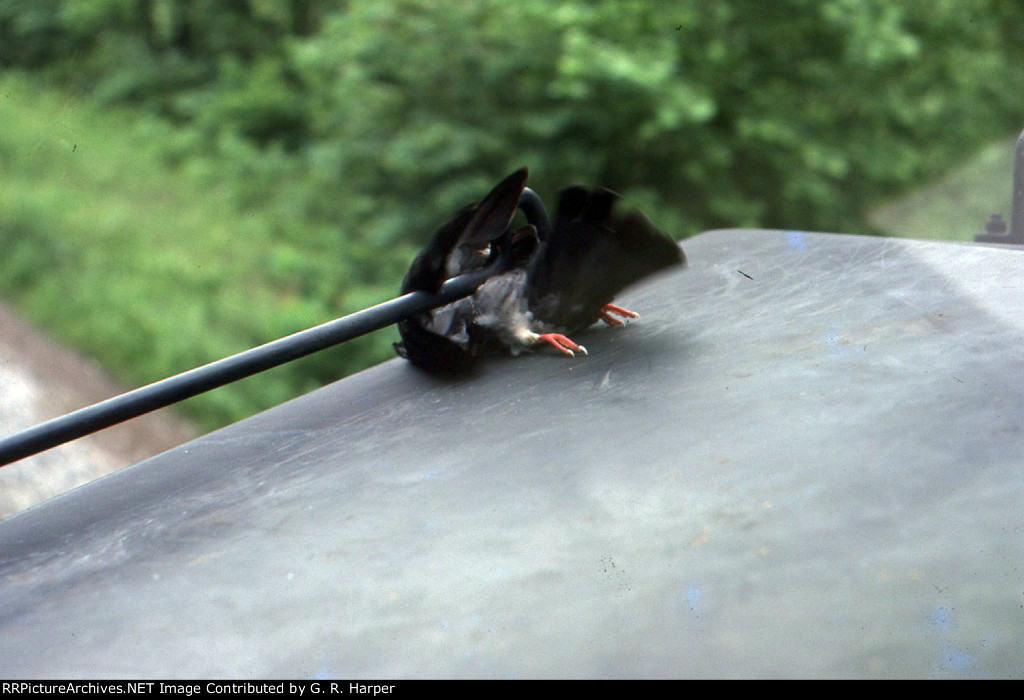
{"x":804,"y":460}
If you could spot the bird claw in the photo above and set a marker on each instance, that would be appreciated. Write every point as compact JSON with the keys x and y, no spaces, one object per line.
{"x":609,"y":312}
{"x":563,"y":344}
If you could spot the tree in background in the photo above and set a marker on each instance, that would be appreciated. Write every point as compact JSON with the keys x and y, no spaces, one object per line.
{"x":351,"y":129}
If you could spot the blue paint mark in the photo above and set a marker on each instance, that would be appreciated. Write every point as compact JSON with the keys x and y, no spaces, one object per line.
{"x":955,"y":660}
{"x":692,"y":599}
{"x":693,"y":595}
{"x":797,"y":241}
{"x":949,"y":658}
{"x":323,"y":673}
{"x":834,"y":342}
{"x":942,"y":618}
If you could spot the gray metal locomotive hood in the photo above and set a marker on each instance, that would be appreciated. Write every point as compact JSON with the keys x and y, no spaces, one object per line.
{"x":805,"y":460}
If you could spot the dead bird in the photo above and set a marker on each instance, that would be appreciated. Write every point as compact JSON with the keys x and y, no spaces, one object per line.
{"x":550,"y":281}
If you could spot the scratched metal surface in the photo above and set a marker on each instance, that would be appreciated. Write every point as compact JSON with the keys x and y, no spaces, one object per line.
{"x":804,"y":460}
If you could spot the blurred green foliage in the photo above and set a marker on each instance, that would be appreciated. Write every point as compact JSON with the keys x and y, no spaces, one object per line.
{"x":186,"y":179}
{"x":959,"y":205}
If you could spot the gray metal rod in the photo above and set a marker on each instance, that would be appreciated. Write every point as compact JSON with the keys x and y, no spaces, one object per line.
{"x":230,"y":369}
{"x":1017,"y":208}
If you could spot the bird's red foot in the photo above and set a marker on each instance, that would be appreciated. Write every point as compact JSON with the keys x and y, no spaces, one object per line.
{"x":562,"y":343}
{"x":609,"y":312}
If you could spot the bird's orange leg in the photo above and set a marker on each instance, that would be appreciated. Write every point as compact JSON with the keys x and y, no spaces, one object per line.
{"x":563,"y":344}
{"x":609,"y":312}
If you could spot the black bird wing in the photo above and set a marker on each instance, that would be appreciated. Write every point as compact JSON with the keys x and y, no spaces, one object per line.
{"x":439,"y":340}
{"x":459,"y":245}
{"x":590,"y":256}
